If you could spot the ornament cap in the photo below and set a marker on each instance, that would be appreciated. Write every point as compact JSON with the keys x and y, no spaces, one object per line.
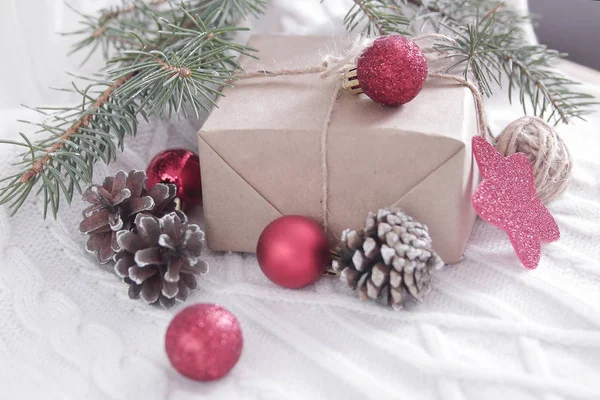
{"x":351,"y":83}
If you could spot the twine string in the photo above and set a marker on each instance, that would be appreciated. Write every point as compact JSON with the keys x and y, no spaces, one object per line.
{"x":483,"y":128}
{"x":324,"y":166}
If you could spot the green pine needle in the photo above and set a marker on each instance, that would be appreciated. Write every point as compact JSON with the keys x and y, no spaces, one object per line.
{"x":377,"y":17}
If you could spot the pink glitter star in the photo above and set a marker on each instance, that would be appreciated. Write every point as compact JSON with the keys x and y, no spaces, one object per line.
{"x":507,"y":198}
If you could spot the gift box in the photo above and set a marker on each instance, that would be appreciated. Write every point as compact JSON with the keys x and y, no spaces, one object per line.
{"x":261,"y":158}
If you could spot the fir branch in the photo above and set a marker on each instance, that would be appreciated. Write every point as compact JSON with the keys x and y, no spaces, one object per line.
{"x":82,"y":123}
{"x":183,"y":63}
{"x":137,"y":22}
{"x":77,"y":137}
{"x":490,"y":44}
{"x":495,"y":53}
{"x":121,"y":28}
{"x":186,"y":72}
{"x":529,"y":69}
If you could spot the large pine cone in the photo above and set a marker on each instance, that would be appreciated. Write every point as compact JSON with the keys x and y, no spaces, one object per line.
{"x":114,"y":205}
{"x":390,"y":257}
{"x":160,"y":258}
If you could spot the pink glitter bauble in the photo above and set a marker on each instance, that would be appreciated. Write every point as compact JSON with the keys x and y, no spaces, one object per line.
{"x":392,"y":71}
{"x":204,"y":342}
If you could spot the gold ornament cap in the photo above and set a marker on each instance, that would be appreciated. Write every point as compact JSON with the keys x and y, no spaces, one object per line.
{"x":351,"y":83}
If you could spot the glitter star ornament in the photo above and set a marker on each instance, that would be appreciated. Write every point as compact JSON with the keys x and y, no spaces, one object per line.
{"x":507,"y":198}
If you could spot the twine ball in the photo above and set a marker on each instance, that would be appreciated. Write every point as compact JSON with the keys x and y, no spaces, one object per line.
{"x":548,"y":154}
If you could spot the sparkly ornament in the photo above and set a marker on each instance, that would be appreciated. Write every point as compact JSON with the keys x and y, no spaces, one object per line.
{"x":507,"y":198}
{"x":391,"y":72}
{"x":204,"y":342}
{"x":179,"y":167}
{"x":293,"y":251}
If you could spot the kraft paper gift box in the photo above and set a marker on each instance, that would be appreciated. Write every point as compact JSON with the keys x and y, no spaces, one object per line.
{"x":260,"y":152}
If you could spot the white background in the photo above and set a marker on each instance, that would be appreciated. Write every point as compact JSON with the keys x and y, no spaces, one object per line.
{"x":489,"y":330}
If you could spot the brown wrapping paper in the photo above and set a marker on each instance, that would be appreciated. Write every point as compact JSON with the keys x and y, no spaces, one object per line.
{"x":261,"y":153}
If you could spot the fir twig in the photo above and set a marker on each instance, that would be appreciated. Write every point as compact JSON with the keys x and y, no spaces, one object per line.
{"x":137,"y":22}
{"x":383,"y":17}
{"x":495,"y":53}
{"x":181,"y":61}
{"x":77,"y":137}
{"x":490,"y":44}
{"x":81,"y":123}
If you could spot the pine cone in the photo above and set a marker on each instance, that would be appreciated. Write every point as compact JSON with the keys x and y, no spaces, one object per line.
{"x":390,"y":257}
{"x":114,"y":207}
{"x":160,"y":258}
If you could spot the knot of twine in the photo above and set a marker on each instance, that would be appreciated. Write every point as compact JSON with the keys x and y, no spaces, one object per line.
{"x":550,"y":159}
{"x":337,"y":64}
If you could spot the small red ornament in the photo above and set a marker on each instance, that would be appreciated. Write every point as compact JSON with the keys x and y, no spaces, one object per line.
{"x":391,"y":72}
{"x":507,"y":198}
{"x":204,"y":342}
{"x":293,"y":251}
{"x":180,"y":167}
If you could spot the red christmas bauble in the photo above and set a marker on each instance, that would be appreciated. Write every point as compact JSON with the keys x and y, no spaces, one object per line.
{"x":204,"y":342}
{"x":392,"y":71}
{"x":180,"y":167}
{"x":293,"y":251}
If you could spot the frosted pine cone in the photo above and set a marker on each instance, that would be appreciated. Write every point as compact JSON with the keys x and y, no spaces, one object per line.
{"x":114,"y":205}
{"x":392,"y":256}
{"x":160,"y":258}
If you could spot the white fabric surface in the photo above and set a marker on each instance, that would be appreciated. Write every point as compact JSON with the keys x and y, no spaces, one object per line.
{"x":489,"y":329}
